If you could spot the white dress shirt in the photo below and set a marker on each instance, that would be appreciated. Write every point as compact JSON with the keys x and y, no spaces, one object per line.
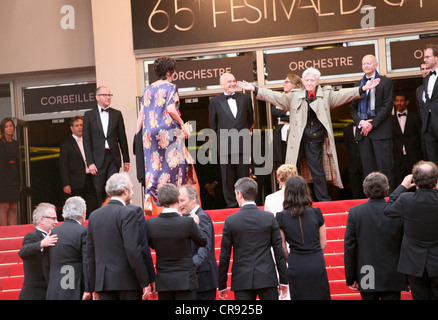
{"x":104,"y":118}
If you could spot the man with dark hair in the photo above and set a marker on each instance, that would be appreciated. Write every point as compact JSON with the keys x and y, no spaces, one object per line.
{"x":250,"y":234}
{"x":373,"y":240}
{"x":171,"y":236}
{"x":406,"y":130}
{"x":418,"y":210}
{"x":76,"y":179}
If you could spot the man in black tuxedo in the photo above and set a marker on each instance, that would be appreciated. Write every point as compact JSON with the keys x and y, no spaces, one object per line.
{"x":406,"y":130}
{"x":354,"y":166}
{"x":171,"y":236}
{"x":204,"y":258}
{"x":76,"y":179}
{"x":418,"y":210}
{"x":31,"y":252}
{"x":230,"y":111}
{"x":104,"y":139}
{"x":429,"y":127}
{"x":421,"y":101}
{"x":250,"y":234}
{"x":373,"y":240}
{"x":372,"y":116}
{"x":116,"y":269}
{"x":65,"y":264}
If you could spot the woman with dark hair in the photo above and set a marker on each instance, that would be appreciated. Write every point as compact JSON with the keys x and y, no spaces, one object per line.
{"x":164,"y":134}
{"x":9,"y":173}
{"x":302,"y":227}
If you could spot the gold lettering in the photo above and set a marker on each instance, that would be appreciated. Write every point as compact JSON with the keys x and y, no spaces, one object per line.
{"x":341,"y":2}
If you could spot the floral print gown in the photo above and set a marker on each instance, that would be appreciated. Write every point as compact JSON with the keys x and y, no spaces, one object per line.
{"x":163,"y":140}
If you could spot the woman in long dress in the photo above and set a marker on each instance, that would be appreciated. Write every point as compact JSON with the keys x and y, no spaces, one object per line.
{"x":164,"y":132}
{"x":302,"y":227}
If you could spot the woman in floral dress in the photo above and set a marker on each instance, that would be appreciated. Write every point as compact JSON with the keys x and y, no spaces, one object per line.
{"x":164,"y":134}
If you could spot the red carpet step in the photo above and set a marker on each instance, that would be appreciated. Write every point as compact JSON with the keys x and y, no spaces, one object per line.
{"x":335,"y":215}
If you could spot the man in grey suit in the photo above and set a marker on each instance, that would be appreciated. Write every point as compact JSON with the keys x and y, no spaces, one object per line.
{"x":373,"y":240}
{"x":171,"y":236}
{"x":104,"y":138}
{"x":65,"y":265}
{"x":34,"y":244}
{"x":250,"y":234}
{"x":116,"y":268}
{"x":418,"y":210}
{"x":204,"y":258}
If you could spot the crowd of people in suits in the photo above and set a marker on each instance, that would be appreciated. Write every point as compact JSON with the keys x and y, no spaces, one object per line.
{"x":276,"y":253}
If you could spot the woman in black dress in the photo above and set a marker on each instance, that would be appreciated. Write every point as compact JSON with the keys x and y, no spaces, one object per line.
{"x":9,"y":174}
{"x":303,"y":228}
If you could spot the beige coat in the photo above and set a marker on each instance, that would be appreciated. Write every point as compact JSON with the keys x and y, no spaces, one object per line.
{"x":295,"y":103}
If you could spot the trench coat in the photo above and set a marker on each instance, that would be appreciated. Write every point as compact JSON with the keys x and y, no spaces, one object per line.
{"x":295,"y":102}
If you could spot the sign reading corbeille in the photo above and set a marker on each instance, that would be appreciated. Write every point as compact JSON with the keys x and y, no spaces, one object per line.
{"x":59,"y":98}
{"x":330,"y":62}
{"x":410,"y":53}
{"x":207,"y":72}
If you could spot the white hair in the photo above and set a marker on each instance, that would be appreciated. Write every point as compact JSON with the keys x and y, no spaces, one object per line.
{"x":41,"y":210}
{"x":74,"y":208}
{"x":313,"y":71}
{"x":117,"y":184}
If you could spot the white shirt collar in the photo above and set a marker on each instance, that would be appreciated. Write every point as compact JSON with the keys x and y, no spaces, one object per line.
{"x":249,"y":202}
{"x":118,"y":199}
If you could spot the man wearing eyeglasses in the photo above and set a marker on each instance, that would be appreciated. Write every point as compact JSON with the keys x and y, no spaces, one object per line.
{"x":104,"y":138}
{"x":44,"y":220}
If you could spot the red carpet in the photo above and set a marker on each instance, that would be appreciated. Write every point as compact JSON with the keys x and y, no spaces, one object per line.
{"x":335,"y":215}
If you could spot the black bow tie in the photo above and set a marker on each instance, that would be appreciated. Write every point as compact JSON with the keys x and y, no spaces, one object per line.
{"x":369,"y":79}
{"x":104,"y":110}
{"x":432,"y":72}
{"x":402,"y":114}
{"x":230,"y":96}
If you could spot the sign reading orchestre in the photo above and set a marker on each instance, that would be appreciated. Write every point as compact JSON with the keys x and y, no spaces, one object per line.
{"x":331,"y":61}
{"x":207,"y":72}
{"x":169,"y":23}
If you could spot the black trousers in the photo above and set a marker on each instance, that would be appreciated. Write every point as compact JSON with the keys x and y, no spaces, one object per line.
{"x":109,"y":167}
{"x":380,"y":295}
{"x":230,"y":173}
{"x":120,"y":295}
{"x":262,"y":293}
{"x":376,"y":155}
{"x":313,"y":153}
{"x":88,"y":193}
{"x":177,"y":295}
{"x":424,"y":288}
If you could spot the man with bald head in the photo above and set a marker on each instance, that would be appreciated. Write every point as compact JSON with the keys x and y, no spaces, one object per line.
{"x":419,"y":249}
{"x":372,"y":116}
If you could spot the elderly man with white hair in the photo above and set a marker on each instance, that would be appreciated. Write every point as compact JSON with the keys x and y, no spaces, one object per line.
{"x":65,"y":265}
{"x":311,"y":131}
{"x":114,"y":255}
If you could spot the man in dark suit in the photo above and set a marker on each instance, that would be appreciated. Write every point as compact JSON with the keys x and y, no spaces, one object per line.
{"x":116,"y":269}
{"x":354,"y":166}
{"x":76,"y":179}
{"x":372,"y":116}
{"x":104,"y":139}
{"x":418,"y":210}
{"x":406,"y":130}
{"x":65,"y":264}
{"x":373,"y":240}
{"x":250,"y":234}
{"x":204,"y":258}
{"x":429,"y":127}
{"x":34,"y":243}
{"x":421,"y":101}
{"x":230,"y":111}
{"x":171,"y":236}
